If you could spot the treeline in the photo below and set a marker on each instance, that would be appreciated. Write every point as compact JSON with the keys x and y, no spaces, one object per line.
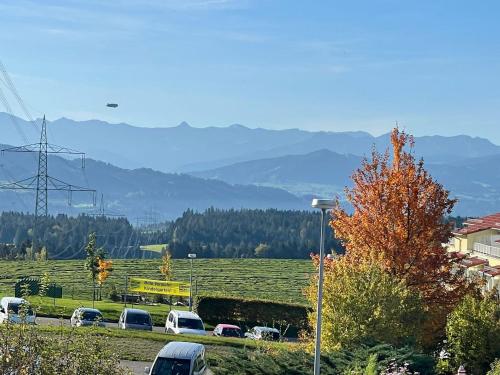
{"x":64,"y":237}
{"x":248,"y":234}
{"x":214,"y":233}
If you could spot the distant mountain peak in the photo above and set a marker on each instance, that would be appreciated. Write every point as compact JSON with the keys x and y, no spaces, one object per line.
{"x":184,"y":124}
{"x":238,"y":126}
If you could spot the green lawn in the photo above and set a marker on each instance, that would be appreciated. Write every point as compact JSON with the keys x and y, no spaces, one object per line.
{"x":273,"y":279}
{"x":156,"y":248}
{"x":224,"y":355}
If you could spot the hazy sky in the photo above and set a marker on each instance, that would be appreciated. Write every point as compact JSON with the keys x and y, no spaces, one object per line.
{"x":433,"y":66}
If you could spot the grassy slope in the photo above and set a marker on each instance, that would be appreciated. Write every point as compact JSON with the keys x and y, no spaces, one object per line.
{"x":156,"y":248}
{"x":274,"y":279}
{"x":224,"y":355}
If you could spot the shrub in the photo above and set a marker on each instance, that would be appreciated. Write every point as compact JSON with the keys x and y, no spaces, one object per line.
{"x":25,"y":351}
{"x":473,"y":334}
{"x":248,"y":312}
{"x":495,"y":368}
{"x":113,"y":293}
{"x":363,"y":304}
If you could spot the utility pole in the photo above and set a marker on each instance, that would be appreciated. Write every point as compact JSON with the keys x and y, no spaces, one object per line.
{"x":42,"y":196}
{"x":42,"y":182}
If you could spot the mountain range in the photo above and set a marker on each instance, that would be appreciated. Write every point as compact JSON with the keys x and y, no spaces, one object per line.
{"x":185,"y":148}
{"x":134,"y":193}
{"x":181,"y":167}
{"x":475,"y":182}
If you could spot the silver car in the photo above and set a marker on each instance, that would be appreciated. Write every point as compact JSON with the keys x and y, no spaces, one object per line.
{"x":263,"y":333}
{"x":180,"y":358}
{"x":135,"y":319}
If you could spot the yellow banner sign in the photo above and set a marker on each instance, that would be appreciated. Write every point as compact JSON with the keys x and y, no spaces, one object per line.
{"x":171,"y":288}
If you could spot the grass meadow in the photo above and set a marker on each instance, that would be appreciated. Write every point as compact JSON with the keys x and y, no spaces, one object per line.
{"x":271,"y":279}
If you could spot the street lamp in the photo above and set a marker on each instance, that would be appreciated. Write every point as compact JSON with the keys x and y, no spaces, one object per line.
{"x":191,"y":257}
{"x":324,"y":205}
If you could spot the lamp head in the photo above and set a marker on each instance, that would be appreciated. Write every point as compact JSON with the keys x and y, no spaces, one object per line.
{"x":192,"y":256}
{"x":323,"y":204}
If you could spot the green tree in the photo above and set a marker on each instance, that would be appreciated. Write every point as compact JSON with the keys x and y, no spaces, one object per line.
{"x":473,"y":334}
{"x":44,"y":284}
{"x":92,"y":261}
{"x":363,"y":304}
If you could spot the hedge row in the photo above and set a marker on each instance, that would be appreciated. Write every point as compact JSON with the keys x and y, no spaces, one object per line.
{"x":247,"y":313}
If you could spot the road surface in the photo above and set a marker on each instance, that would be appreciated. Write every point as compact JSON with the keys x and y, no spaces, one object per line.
{"x":66,"y":323}
{"x":137,"y":368}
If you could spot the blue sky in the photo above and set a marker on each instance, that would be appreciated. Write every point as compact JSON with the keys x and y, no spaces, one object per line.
{"x":433,"y":66}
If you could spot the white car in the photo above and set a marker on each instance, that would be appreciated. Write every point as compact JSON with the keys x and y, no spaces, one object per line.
{"x":184,"y":322}
{"x":263,"y":333}
{"x":16,"y":310}
{"x":180,"y":358}
{"x":85,"y":316}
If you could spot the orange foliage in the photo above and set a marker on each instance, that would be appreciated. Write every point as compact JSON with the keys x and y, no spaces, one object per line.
{"x":398,"y":223}
{"x":104,"y":269}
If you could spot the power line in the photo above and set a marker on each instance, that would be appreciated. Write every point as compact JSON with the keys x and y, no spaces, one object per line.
{"x":42,"y":182}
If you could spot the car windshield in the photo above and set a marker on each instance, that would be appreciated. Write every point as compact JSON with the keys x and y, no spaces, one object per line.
{"x":169,"y":366}
{"x":231,"y":332}
{"x":190,"y":323}
{"x":15,"y":307}
{"x":138,"y":318}
{"x":91,"y":315}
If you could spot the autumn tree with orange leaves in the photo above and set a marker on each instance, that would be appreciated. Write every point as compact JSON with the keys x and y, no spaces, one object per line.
{"x":104,"y":269}
{"x":398,"y":224}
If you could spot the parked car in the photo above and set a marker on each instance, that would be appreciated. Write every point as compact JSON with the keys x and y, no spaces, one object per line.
{"x":179,"y":358}
{"x":16,"y":310}
{"x":86,"y":316}
{"x":263,"y":333}
{"x":135,"y":319}
{"x":227,"y":330}
{"x":184,"y":322}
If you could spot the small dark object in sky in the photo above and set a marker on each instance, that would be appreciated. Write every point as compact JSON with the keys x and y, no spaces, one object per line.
{"x":112,"y":105}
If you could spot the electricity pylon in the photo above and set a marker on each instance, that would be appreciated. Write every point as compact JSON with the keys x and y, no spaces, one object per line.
{"x":42,"y":182}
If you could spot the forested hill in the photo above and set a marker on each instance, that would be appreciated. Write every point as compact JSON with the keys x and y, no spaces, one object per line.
{"x":248,"y":233}
{"x":211,"y":234}
{"x":65,"y":237}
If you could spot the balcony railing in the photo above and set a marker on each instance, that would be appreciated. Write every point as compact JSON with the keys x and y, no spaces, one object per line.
{"x":487,"y":249}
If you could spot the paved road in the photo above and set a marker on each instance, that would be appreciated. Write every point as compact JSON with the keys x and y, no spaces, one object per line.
{"x":65,"y":322}
{"x":137,"y":368}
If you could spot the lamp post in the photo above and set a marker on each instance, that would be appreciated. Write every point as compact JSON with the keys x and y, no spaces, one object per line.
{"x":191,"y":257}
{"x":324,"y":205}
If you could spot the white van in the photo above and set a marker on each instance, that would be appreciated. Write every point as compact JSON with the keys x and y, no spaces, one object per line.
{"x":184,"y":322}
{"x":180,"y":358}
{"x":16,"y":310}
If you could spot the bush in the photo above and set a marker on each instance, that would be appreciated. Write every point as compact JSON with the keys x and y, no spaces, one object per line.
{"x":473,"y":334}
{"x":380,"y":357}
{"x":495,"y":368}
{"x":248,"y":312}
{"x":113,"y":294}
{"x":363,"y":304}
{"x":25,"y":351}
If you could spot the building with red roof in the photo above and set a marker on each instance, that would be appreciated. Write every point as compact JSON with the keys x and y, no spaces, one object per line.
{"x":477,"y":246}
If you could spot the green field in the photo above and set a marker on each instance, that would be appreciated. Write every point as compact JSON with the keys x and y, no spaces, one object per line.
{"x":273,"y":279}
{"x":156,"y":248}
